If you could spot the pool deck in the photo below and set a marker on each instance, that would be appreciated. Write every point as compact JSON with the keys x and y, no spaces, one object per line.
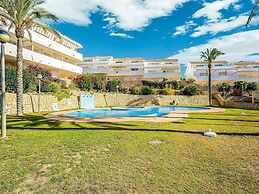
{"x":174,"y":116}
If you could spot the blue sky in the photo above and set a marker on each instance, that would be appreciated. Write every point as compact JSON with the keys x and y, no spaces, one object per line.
{"x":159,"y":28}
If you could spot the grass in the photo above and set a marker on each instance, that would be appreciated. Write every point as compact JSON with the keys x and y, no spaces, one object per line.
{"x":44,"y":156}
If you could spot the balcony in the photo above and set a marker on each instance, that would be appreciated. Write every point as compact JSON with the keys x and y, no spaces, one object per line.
{"x":37,"y":58}
{"x":126,"y":73}
{"x":44,"y":41}
{"x":217,"y":77}
{"x":163,"y":75}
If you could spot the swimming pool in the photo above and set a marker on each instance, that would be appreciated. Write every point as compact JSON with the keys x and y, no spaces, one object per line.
{"x":120,"y":112}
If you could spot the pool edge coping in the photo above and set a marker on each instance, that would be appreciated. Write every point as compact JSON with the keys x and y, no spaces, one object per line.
{"x":173,"y":116}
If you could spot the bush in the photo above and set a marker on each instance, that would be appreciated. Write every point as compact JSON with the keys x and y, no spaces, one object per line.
{"x":146,"y":90}
{"x":63,"y":94}
{"x":72,"y":86}
{"x":10,"y":79}
{"x":98,"y":81}
{"x":112,"y":85}
{"x":160,"y":92}
{"x":136,"y":91}
{"x":224,"y":87}
{"x":169,"y":91}
{"x":88,"y":82}
{"x":190,"y":90}
{"x":29,"y":83}
{"x":251,"y":86}
{"x":52,"y":87}
{"x":161,"y":85}
{"x":238,"y":87}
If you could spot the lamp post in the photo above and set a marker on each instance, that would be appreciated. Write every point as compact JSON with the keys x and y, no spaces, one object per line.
{"x":4,"y":38}
{"x":39,"y":77}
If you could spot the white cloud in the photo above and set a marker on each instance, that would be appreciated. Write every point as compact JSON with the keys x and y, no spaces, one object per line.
{"x":73,"y":11}
{"x":125,"y":14}
{"x":181,"y":30}
{"x":123,"y":35}
{"x":212,"y":10}
{"x":223,"y":25}
{"x":238,"y":47}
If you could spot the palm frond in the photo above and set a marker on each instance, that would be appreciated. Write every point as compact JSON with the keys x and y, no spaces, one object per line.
{"x":253,"y":13}
{"x":46,"y":28}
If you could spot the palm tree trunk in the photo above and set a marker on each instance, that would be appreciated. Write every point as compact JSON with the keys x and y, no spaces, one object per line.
{"x":19,"y":81}
{"x":210,"y":95}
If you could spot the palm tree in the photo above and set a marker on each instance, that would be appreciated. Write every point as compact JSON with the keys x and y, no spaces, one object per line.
{"x":23,"y":15}
{"x":210,"y":55}
{"x":253,"y":13}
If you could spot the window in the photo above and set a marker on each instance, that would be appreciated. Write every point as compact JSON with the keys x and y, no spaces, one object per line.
{"x":168,"y":63}
{"x":218,"y":65}
{"x":89,"y":60}
{"x":134,"y":69}
{"x":118,"y":61}
{"x":135,"y":61}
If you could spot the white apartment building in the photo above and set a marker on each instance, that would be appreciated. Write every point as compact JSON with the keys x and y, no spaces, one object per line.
{"x":220,"y":71}
{"x":132,"y":69}
{"x":126,"y":69}
{"x":162,"y":68}
{"x":247,"y":71}
{"x":98,"y":64}
{"x":58,"y":55}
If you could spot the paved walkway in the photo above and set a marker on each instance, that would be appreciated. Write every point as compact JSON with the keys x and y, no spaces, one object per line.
{"x":174,"y":116}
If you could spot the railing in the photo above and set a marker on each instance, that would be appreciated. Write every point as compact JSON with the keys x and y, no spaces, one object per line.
{"x":162,"y":75}
{"x":38,"y":58}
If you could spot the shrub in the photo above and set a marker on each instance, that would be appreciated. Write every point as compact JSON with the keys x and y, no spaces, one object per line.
{"x":72,"y":86}
{"x":52,"y":87}
{"x":63,"y":94}
{"x":169,"y":91}
{"x":160,"y":92}
{"x":98,"y":81}
{"x":10,"y":74}
{"x":251,"y":86}
{"x":238,"y":87}
{"x":112,"y":85}
{"x":161,"y":85}
{"x":123,"y":90}
{"x":146,"y":90}
{"x":154,"y":91}
{"x":29,"y":83}
{"x":136,"y":91}
{"x":224,"y":87}
{"x":190,"y":90}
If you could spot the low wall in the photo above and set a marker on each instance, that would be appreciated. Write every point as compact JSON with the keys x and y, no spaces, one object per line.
{"x":30,"y":102}
{"x":232,"y":104}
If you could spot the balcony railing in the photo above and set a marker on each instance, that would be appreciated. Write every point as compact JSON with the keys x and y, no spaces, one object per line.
{"x":37,"y":58}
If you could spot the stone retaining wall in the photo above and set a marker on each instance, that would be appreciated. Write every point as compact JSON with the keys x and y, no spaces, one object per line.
{"x":30,"y":103}
{"x":235,"y":104}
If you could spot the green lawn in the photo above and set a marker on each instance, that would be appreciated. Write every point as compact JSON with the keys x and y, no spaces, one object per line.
{"x":136,"y":157}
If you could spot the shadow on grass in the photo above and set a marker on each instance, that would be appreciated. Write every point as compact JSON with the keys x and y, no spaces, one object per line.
{"x":36,"y":122}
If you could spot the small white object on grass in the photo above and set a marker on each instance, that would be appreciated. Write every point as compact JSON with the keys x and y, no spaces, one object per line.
{"x":210,"y":133}
{"x":243,"y":113}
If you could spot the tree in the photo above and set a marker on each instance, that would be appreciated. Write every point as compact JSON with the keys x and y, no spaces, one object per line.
{"x":23,"y":15}
{"x":210,"y":55}
{"x":253,"y":13}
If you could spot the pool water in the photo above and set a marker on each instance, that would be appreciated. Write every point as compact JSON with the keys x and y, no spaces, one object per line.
{"x":157,"y":111}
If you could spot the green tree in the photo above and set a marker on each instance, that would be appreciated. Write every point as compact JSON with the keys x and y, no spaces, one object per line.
{"x":210,"y":55}
{"x":253,"y":13}
{"x":23,"y":15}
